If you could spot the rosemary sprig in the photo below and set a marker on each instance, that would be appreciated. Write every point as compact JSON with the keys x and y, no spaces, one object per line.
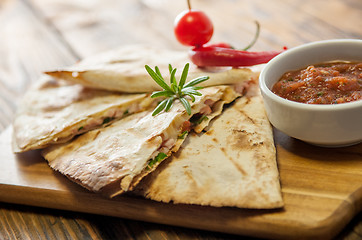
{"x":175,"y":90}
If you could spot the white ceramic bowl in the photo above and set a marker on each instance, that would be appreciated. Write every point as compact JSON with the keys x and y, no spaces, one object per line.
{"x":324,"y":125}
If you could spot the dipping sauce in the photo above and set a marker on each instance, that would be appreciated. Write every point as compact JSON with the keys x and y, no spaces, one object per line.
{"x":326,"y":83}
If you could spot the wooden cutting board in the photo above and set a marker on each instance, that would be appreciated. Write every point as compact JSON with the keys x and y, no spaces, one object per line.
{"x":322,"y":190}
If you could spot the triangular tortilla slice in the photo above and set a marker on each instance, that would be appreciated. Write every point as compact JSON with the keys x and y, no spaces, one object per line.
{"x":232,"y":164}
{"x":123,"y":69}
{"x":114,"y":159}
{"x":56,"y":111}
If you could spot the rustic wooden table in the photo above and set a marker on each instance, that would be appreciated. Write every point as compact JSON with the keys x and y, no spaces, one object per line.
{"x":39,"y":35}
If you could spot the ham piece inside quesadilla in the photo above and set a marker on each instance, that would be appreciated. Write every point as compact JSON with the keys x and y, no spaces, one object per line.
{"x":123,"y":70}
{"x":232,"y":164}
{"x":56,"y":111}
{"x":114,"y":159}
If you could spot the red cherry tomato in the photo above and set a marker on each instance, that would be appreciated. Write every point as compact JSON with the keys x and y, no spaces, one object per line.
{"x":193,"y":28}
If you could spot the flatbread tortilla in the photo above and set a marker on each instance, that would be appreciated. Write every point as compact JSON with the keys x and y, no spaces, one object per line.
{"x":232,"y":164}
{"x":123,"y":69}
{"x":56,"y":111}
{"x":113,"y":160}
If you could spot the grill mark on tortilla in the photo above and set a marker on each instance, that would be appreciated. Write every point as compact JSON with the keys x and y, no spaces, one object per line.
{"x":96,"y":134}
{"x":189,"y":175}
{"x":238,"y":167}
{"x":247,"y":116}
{"x":242,"y":112}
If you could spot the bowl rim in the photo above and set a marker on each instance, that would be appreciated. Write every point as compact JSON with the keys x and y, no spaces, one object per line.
{"x":312,"y":107}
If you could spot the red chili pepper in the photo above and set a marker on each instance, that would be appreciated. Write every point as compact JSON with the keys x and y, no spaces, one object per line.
{"x":221,"y":45}
{"x":223,"y":56}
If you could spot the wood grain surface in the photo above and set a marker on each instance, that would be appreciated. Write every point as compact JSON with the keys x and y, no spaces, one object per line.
{"x":39,"y":35}
{"x":322,"y":192}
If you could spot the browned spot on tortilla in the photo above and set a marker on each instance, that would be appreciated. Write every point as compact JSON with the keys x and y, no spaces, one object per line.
{"x":209,"y":147}
{"x":209,"y":132}
{"x":239,"y":139}
{"x":258,"y":143}
{"x":239,"y":130}
{"x":261,"y":164}
{"x":215,"y":140}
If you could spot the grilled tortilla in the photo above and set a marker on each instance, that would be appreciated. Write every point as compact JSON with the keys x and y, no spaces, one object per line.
{"x":233,"y":164}
{"x":55,"y":111}
{"x":114,"y":159}
{"x":123,"y":70}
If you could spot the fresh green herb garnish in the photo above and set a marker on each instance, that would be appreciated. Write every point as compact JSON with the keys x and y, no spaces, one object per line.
{"x":175,"y":90}
{"x":158,"y":158}
{"x":125,"y":112}
{"x":80,"y":128}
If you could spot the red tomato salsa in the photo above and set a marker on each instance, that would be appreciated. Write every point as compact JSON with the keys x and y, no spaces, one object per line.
{"x":326,"y":83}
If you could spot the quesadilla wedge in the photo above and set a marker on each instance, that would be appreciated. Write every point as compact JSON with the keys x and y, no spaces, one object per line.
{"x":114,"y":159}
{"x":56,"y":111}
{"x":232,"y":164}
{"x":122,"y":69}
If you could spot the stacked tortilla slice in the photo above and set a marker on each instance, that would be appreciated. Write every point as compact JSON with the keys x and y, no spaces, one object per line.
{"x":123,"y":70}
{"x":232,"y":164}
{"x":56,"y":111}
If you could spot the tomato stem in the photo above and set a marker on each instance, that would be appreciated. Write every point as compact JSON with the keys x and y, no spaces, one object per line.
{"x":255,"y":36}
{"x":189,"y":4}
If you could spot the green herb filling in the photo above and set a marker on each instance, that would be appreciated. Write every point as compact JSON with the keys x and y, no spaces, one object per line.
{"x":183,"y":135}
{"x":107,"y":120}
{"x":157,"y":159}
